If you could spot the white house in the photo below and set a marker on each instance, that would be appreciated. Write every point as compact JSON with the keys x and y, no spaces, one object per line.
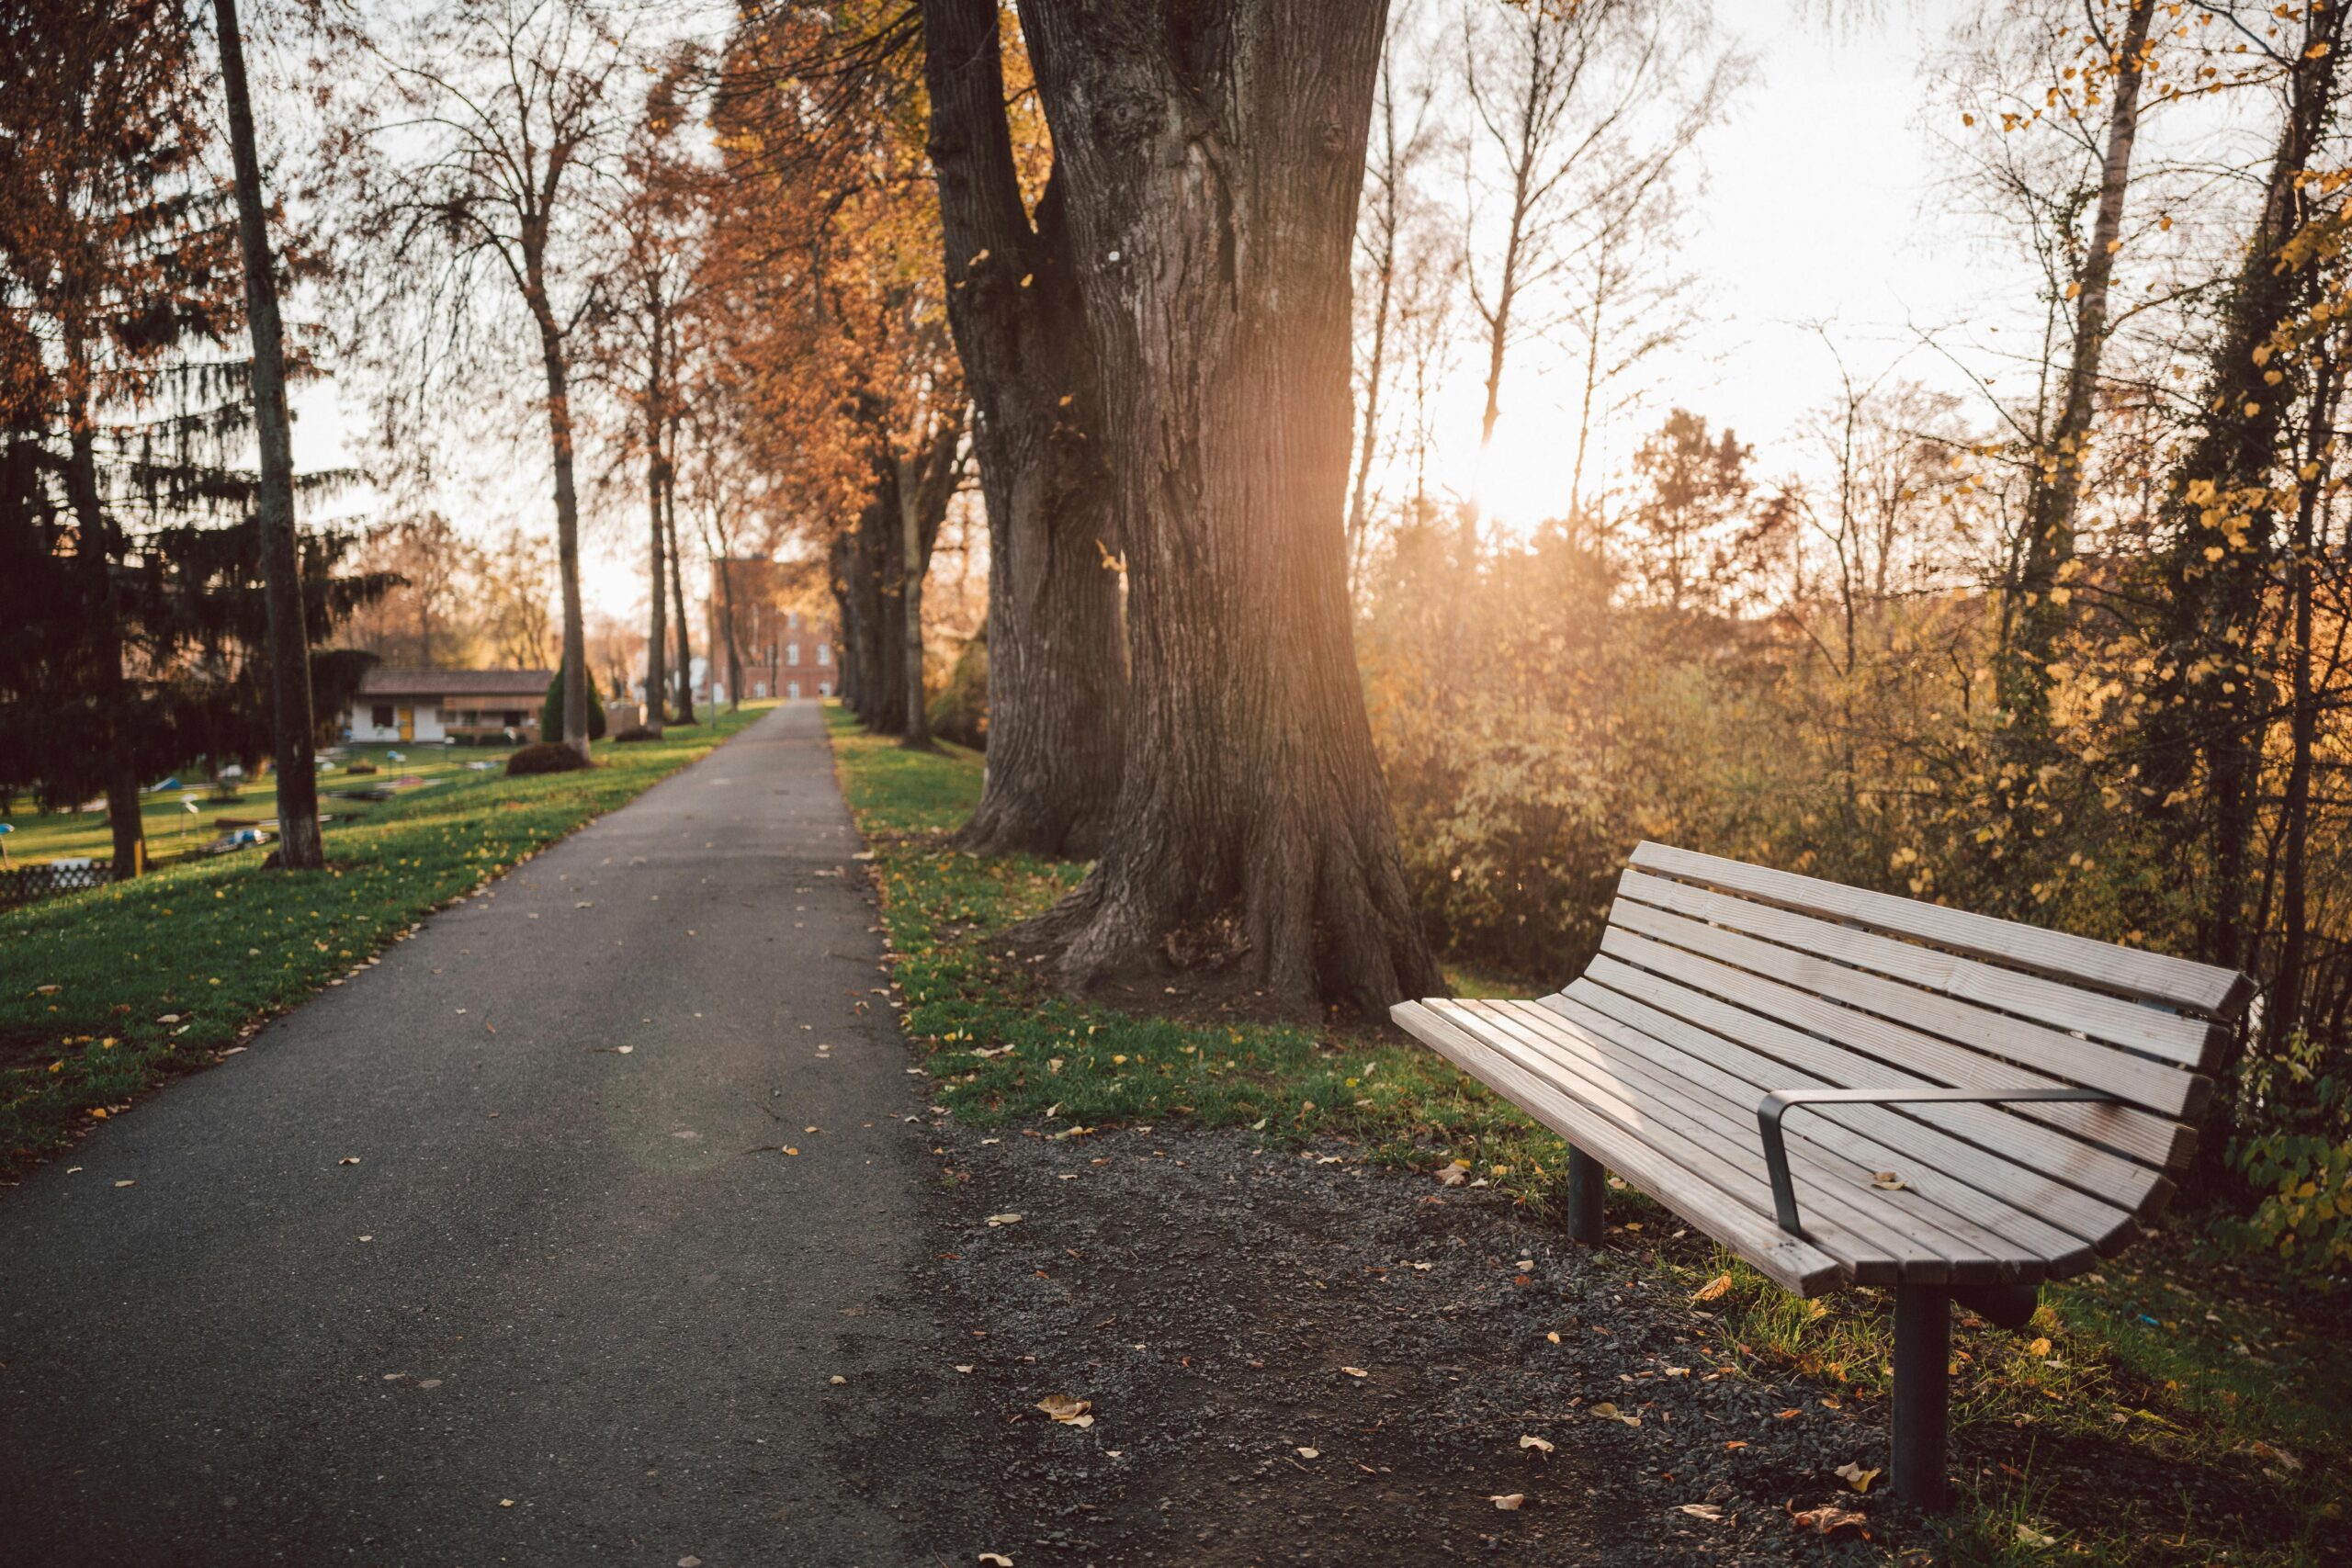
{"x":423,"y":706}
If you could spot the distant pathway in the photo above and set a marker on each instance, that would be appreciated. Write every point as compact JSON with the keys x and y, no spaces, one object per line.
{"x":560,"y":1311}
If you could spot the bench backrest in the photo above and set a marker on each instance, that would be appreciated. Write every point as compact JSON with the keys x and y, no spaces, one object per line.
{"x":1872,"y":990}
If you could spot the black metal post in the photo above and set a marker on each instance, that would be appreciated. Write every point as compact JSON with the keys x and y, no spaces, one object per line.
{"x":1586,"y":1184}
{"x":1922,"y":1392}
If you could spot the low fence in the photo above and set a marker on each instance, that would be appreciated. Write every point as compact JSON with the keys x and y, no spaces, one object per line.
{"x":28,"y":883}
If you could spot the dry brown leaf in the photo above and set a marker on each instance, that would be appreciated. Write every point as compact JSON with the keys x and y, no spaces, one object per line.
{"x":2039,"y":1347}
{"x":1068,"y":1409}
{"x":995,"y":1560}
{"x":996,"y":1220}
{"x":1355,"y":1372}
{"x":1713,"y":1289}
{"x":1886,"y":1181}
{"x":1508,"y":1502}
{"x":1450,"y":1176}
{"x":1609,"y":1412}
{"x":1310,"y":1453}
{"x":1707,"y":1511}
{"x":1855,"y":1476}
{"x":1538,"y":1444}
{"x":1829,"y":1518}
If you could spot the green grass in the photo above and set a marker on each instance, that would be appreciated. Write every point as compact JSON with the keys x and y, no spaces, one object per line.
{"x":105,"y":993}
{"x":2109,"y":1444}
{"x":172,"y":828}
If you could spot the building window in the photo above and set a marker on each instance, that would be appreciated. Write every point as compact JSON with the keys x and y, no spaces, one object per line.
{"x":824,"y":688}
{"x":381,"y":716}
{"x":513,"y":717}
{"x":793,"y":691}
{"x":792,"y":620}
{"x":760,"y":690}
{"x":447,"y":717}
{"x":792,"y":652}
{"x":824,"y":653}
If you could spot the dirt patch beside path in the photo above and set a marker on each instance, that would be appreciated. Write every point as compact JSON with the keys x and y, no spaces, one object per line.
{"x":1223,"y":1307}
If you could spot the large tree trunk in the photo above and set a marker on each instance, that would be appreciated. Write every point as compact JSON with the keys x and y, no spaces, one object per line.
{"x":1056,"y":660}
{"x":656,"y":630}
{"x":914,"y":562}
{"x":1214,"y":169}
{"x":684,"y":671}
{"x":2056,"y":490}
{"x":300,"y":847}
{"x":99,"y":546}
{"x":566,"y":521}
{"x":2209,"y":703}
{"x":870,"y":641}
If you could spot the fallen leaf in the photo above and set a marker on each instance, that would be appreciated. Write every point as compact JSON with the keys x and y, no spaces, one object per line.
{"x":506,"y":1502}
{"x":1351,"y":1371}
{"x":837,"y":1378}
{"x":1886,"y":1181}
{"x":2039,"y":1347}
{"x":1525,"y":1264}
{"x":964,"y":1368}
{"x":2028,"y":1535}
{"x":1554,"y":1337}
{"x":1538,"y":1444}
{"x":1068,"y":1409}
{"x":689,"y":1563}
{"x":996,"y":1220}
{"x":1508,"y":1502}
{"x":1713,"y":1289}
{"x":1609,"y":1412}
{"x":1735,"y":1443}
{"x":46,"y":991}
{"x":133,"y":1182}
{"x":348,"y":1159}
{"x":1828,"y":1519}
{"x":996,"y":1560}
{"x":1310,"y":1453}
{"x":1788,"y":1415}
{"x":1857,"y":1477}
{"x":1706,"y":1511}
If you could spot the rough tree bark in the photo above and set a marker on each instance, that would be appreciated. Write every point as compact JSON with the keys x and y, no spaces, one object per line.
{"x":656,"y":630}
{"x":2058,"y":484}
{"x":1215,"y":157}
{"x":100,"y":544}
{"x":300,"y":847}
{"x":915,"y":561}
{"x":2209,"y":705}
{"x":1057,"y":658}
{"x":557,"y":369}
{"x":683,"y":672}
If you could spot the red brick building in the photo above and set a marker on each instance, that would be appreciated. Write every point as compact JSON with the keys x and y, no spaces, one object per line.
{"x":783,"y":649}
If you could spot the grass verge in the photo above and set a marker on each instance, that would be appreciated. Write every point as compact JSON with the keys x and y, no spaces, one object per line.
{"x":104,"y":994}
{"x":2180,"y":1405}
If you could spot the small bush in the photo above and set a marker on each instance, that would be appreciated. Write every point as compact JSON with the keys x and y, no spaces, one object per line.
{"x":636,"y":732}
{"x":551,"y":711}
{"x":546,"y":757}
{"x":360,"y":768}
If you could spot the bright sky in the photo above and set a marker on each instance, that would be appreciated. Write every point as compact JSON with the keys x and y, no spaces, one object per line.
{"x":1818,"y":209}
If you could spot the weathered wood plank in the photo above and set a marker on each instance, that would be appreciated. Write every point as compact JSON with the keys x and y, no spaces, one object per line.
{"x":2190,"y":1042}
{"x":2108,"y":1151}
{"x":2011,"y":1164}
{"x":2158,"y":1087}
{"x":2154,"y":976}
{"x":1973,"y":1251}
{"x":2025,"y":1209}
{"x":1795,"y":1265}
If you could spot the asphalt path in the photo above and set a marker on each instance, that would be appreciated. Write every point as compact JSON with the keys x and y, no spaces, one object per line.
{"x":494,"y":1253}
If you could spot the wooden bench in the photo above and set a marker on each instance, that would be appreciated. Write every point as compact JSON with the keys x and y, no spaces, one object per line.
{"x":1850,"y":1089}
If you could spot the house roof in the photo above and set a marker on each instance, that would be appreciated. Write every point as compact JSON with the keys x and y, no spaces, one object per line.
{"x":381,"y":681}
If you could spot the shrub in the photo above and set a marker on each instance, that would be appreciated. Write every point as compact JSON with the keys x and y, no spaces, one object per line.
{"x":546,"y":757}
{"x":636,"y":732}
{"x":960,"y":711}
{"x":360,"y":768}
{"x":551,"y":711}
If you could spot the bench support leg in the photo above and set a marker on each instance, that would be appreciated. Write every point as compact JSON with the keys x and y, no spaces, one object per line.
{"x":1586,"y":1184}
{"x":1922,"y":1392}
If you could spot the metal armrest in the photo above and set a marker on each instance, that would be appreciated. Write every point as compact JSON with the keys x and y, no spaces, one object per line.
{"x":1778,"y":1104}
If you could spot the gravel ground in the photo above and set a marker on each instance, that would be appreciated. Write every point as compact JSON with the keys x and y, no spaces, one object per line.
{"x":1223,"y":1307}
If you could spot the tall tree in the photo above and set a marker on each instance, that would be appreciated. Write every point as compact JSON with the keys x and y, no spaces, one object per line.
{"x":1216,"y":163}
{"x":2056,"y":483}
{"x":498,"y":152}
{"x":300,"y":846}
{"x":1057,"y":664}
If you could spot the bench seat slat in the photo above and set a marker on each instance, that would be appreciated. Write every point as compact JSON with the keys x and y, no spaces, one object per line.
{"x":1968,"y":1250}
{"x":2192,"y":1042}
{"x":2105,"y":1150}
{"x":1795,"y":1265}
{"x":1870,"y":1251}
{"x":2154,"y":976}
{"x":2049,"y":1222}
{"x":1855,"y":1232}
{"x":2163,"y":1089}
{"x":2010,"y":1164}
